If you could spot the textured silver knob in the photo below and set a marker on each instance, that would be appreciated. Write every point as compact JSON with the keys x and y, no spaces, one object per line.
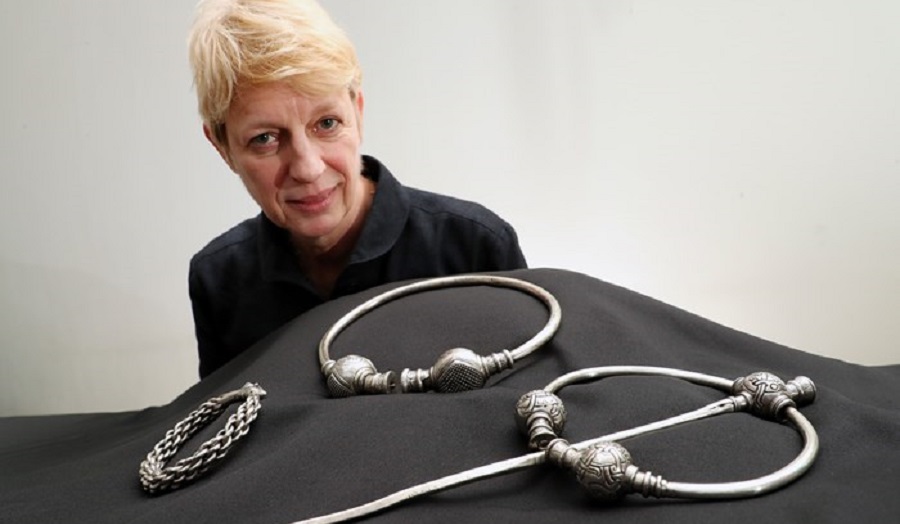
{"x":767,"y":396}
{"x":456,"y":370}
{"x":541,"y":416}
{"x":462,"y":369}
{"x":355,"y":375}
{"x":602,"y":469}
{"x":802,"y":390}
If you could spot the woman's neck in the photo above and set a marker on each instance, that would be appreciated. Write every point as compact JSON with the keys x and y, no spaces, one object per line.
{"x":323,"y":264}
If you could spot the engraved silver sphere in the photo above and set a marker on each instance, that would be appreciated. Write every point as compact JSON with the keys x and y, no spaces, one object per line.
{"x":346,"y":374}
{"x":602,"y":470}
{"x":765,"y":392}
{"x":541,"y":416}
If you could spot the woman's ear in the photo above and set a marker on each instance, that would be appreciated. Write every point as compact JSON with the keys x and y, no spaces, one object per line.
{"x":360,"y":104}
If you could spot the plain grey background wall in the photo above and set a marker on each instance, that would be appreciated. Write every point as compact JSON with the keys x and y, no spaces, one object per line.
{"x":736,"y":159}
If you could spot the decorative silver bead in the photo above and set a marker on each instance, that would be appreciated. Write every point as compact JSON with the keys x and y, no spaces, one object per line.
{"x":456,"y":370}
{"x":603,"y":469}
{"x":767,"y":396}
{"x":356,"y":375}
{"x":802,"y":390}
{"x":541,"y":416}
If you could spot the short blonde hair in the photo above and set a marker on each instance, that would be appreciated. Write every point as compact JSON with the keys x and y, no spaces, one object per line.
{"x":245,"y":42}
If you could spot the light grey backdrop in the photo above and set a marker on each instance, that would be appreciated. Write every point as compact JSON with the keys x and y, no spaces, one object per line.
{"x":736,"y":158}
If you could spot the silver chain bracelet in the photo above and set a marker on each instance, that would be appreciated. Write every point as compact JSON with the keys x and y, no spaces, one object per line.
{"x":458,"y":369}
{"x":604,"y":466}
{"x":157,"y":478}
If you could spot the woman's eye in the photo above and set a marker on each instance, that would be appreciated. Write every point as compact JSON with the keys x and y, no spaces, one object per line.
{"x":328,"y":124}
{"x":263,"y":139}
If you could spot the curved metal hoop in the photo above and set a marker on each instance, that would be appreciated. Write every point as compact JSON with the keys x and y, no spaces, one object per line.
{"x":541,"y":415}
{"x":457,"y":369}
{"x":605,"y":467}
{"x":156,"y":478}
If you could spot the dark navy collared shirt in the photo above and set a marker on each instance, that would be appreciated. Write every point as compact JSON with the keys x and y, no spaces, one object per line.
{"x":247,"y":283}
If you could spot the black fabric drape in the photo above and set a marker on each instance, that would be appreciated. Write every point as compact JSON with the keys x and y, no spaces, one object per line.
{"x":308,"y":454}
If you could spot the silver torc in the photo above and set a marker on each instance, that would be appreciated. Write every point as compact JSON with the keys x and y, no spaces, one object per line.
{"x":156,"y":478}
{"x":605,"y":468}
{"x":457,"y":369}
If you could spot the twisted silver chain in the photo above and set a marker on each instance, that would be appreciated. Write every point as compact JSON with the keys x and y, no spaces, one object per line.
{"x":157,"y":478}
{"x":457,"y":369}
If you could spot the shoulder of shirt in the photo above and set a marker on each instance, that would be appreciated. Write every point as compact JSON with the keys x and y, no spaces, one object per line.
{"x":447,"y":207}
{"x":240,"y":236}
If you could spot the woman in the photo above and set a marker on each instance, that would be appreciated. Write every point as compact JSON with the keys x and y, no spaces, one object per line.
{"x":279,"y":92}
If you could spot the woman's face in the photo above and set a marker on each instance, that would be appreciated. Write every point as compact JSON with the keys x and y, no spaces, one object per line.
{"x":299,"y":159}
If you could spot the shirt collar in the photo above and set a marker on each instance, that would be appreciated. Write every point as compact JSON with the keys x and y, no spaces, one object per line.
{"x":387,"y":216}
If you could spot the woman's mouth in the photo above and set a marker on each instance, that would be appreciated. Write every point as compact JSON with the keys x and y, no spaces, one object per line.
{"x":313,"y":203}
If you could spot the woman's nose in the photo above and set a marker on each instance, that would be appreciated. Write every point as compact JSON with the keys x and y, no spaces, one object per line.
{"x":306,"y":163}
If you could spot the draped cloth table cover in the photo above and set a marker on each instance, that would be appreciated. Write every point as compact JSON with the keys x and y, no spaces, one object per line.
{"x":310,"y":455}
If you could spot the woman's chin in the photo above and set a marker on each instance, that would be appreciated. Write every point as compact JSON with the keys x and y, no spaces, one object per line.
{"x":312,"y":232}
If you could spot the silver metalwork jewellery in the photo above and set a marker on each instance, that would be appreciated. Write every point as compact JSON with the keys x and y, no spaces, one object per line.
{"x":457,"y":369}
{"x":156,"y":478}
{"x":605,"y":468}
